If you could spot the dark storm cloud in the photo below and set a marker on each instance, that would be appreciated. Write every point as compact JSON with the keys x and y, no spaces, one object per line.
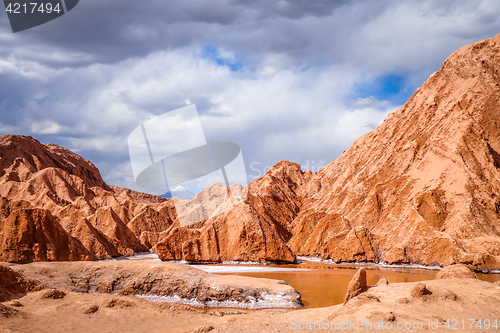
{"x":110,"y":31}
{"x":305,"y":33}
{"x":107,"y":31}
{"x":294,"y":9}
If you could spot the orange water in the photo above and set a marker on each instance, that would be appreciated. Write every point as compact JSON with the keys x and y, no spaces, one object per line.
{"x":322,"y":284}
{"x":326,"y":284}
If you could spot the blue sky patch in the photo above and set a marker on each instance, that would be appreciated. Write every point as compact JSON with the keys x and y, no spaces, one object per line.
{"x":212,"y":52}
{"x":391,"y":87}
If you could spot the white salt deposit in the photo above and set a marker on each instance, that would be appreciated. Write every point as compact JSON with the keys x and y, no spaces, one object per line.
{"x":266,"y":301}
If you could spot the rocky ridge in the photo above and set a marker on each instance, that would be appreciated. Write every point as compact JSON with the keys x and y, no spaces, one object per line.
{"x":55,"y":206}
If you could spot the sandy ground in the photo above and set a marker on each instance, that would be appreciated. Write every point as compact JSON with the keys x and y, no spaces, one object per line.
{"x":414,"y":305}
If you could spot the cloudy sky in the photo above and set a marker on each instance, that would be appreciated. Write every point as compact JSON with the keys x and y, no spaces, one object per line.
{"x":294,"y":80}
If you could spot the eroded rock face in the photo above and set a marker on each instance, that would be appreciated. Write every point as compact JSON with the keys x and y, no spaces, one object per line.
{"x":424,"y":186}
{"x":256,"y":229}
{"x":14,"y":284}
{"x":54,"y":206}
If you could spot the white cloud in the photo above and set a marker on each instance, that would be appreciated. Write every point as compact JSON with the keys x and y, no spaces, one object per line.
{"x":45,"y":127}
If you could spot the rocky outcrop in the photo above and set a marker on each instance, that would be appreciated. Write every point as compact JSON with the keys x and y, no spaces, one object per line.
{"x":14,"y":284}
{"x":54,"y":206}
{"x":422,"y":188}
{"x":34,"y":235}
{"x":158,"y":281}
{"x":256,"y":229}
{"x":357,"y":285}
{"x":458,"y":271}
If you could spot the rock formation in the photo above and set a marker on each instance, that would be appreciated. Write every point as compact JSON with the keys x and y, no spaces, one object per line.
{"x":357,"y":285}
{"x":54,"y":206}
{"x":156,"y":281}
{"x":256,"y":229}
{"x":458,"y":271}
{"x":422,"y":188}
{"x":14,"y":284}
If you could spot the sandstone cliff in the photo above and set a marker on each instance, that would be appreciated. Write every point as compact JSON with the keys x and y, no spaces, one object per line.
{"x":424,"y":186}
{"x":256,"y":229}
{"x":54,"y":205}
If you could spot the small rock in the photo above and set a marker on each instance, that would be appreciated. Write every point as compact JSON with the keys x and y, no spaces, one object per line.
{"x":54,"y":294}
{"x":91,"y":309}
{"x":204,"y":329}
{"x":6,"y":311}
{"x":118,"y":303}
{"x":382,"y":281}
{"x":104,"y":287}
{"x":218,"y":313}
{"x":357,"y":285}
{"x":16,"y":304}
{"x":420,"y":290}
{"x":448,"y":295}
{"x":458,"y":271}
{"x":389,"y":317}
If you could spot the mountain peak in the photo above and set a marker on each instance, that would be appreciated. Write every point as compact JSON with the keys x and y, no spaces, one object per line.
{"x":425,"y":184}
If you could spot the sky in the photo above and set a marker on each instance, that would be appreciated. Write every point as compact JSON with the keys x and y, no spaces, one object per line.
{"x":285,"y":80}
